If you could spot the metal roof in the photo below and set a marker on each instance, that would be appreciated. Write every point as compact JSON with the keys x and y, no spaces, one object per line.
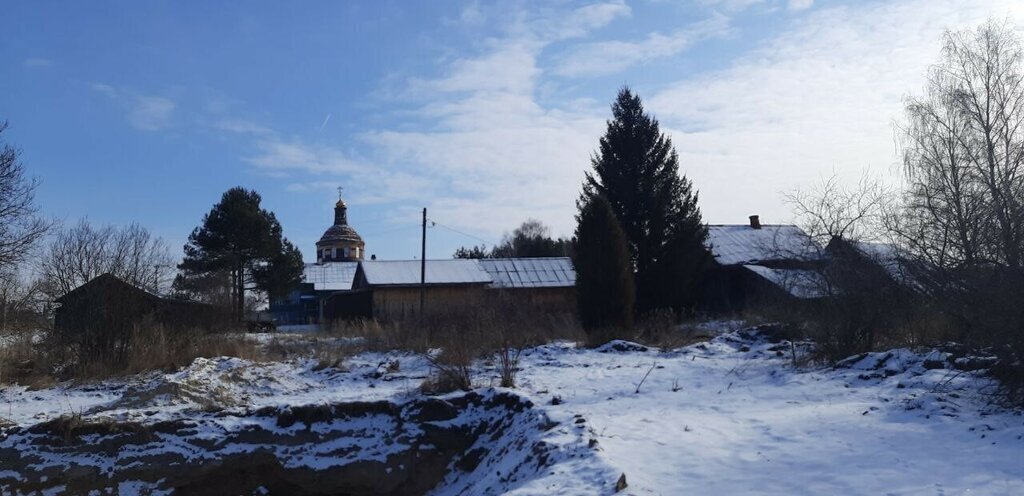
{"x":330,"y":276}
{"x":742,"y":244}
{"x":799,"y":283}
{"x":529,"y":272}
{"x":406,"y":272}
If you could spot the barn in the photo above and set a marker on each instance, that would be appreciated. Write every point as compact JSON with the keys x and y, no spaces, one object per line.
{"x":102,"y":311}
{"x":390,"y":290}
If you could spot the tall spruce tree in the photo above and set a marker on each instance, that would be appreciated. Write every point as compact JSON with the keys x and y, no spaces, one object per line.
{"x":243,"y":242}
{"x":636,"y":169}
{"x":604,"y":272}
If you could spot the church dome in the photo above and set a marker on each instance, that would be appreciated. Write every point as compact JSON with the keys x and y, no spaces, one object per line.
{"x":340,"y":243}
{"x":340,"y":232}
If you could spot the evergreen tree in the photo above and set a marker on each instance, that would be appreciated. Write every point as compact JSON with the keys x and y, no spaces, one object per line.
{"x":637,"y":170}
{"x":604,"y":275}
{"x":243,"y":242}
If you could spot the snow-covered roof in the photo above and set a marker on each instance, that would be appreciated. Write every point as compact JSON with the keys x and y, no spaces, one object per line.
{"x":529,"y":272}
{"x":742,"y":244}
{"x":799,"y":283}
{"x":330,"y":276}
{"x":402,"y":272}
{"x":890,"y":258}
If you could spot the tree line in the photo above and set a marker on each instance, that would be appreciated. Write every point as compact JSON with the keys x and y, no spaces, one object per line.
{"x":235,"y":258}
{"x":639,"y":244}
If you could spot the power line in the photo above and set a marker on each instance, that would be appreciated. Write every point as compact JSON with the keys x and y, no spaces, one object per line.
{"x":390,"y":230}
{"x":452,"y":229}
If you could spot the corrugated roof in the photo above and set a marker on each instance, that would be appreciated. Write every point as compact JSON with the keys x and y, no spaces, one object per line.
{"x":330,"y":276}
{"x":551,"y":272}
{"x":799,"y":283}
{"x":401,"y":272}
{"x":742,"y":244}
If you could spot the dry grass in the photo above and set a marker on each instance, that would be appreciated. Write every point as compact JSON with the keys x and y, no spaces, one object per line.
{"x":499,"y":330}
{"x":158,"y":348}
{"x":22,"y":361}
{"x":149,"y":348}
{"x":407,"y":335}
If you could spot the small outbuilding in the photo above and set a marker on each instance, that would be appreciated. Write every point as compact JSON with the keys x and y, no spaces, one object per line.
{"x":107,"y":308}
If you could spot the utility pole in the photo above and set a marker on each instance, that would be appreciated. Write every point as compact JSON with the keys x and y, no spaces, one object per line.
{"x":423,"y":263}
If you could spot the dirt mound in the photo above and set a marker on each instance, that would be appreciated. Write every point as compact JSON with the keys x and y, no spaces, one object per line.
{"x":343,"y":448}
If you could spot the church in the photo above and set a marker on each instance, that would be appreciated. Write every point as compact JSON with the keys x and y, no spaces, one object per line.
{"x":342,"y":285}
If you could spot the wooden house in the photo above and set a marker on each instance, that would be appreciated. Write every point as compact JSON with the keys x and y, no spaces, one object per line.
{"x":756,"y":265}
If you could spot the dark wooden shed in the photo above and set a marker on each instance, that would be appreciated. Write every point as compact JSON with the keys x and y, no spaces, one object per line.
{"x":107,"y":307}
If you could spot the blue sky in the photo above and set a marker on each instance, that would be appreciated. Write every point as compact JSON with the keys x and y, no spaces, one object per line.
{"x":484,"y":112}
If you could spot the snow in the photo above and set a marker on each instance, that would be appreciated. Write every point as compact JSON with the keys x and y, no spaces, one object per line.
{"x":729,"y":416}
{"x":799,"y":283}
{"x":742,"y":244}
{"x":890,"y":258}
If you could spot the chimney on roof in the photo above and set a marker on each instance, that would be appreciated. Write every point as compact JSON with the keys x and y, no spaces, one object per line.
{"x":755,"y":222}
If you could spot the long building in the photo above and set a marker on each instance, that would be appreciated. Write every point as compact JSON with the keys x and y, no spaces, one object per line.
{"x":342,"y":285}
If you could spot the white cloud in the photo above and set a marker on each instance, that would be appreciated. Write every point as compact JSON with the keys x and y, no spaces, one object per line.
{"x":609,"y":57}
{"x":487,"y":155}
{"x":241,"y":126}
{"x":489,"y":142}
{"x":821,"y":96}
{"x":38,"y":62}
{"x":150,"y":113}
{"x":732,"y":6}
{"x":472,"y":14}
{"x":145,"y":112}
{"x":480,"y":148}
{"x":796,"y":5}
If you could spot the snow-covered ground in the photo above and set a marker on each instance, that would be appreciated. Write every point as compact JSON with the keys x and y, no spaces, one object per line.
{"x":730,"y":416}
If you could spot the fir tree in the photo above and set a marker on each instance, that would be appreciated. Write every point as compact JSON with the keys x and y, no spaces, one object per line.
{"x":604,"y":275}
{"x":243,"y":242}
{"x":636,"y":169}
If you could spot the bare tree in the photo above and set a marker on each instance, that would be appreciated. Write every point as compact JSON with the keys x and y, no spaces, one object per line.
{"x":20,"y":302}
{"x":833,"y":209}
{"x":20,"y":224}
{"x":852,"y":274}
{"x":963,"y":153}
{"x":80,"y":253}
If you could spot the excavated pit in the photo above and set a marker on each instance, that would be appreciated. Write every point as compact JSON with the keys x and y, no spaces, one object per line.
{"x":379,"y":448}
